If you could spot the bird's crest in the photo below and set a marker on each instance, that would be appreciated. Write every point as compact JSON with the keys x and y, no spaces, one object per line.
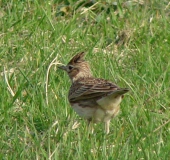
{"x":78,"y":58}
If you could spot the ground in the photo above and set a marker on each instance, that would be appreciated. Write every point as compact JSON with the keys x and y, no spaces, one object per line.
{"x":127,"y":42}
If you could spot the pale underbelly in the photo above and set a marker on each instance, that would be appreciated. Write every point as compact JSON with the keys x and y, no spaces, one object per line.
{"x":97,"y":114}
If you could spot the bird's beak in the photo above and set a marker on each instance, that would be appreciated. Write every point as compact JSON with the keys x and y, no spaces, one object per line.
{"x":62,"y":67}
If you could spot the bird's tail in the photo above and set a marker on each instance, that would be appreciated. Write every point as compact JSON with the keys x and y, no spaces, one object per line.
{"x":119,"y":92}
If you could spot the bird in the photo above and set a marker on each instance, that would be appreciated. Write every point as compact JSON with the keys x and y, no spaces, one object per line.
{"x":94,"y":99}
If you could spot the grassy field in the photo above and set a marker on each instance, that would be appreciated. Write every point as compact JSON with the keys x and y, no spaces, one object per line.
{"x":126,"y":42}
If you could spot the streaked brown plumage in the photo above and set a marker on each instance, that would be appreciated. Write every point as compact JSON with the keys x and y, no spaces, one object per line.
{"x":94,"y":99}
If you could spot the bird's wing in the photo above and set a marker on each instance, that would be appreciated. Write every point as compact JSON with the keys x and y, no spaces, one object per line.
{"x":92,"y":88}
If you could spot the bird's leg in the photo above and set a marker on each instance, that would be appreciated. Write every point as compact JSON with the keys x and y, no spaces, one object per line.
{"x":107,"y":123}
{"x":90,"y":126}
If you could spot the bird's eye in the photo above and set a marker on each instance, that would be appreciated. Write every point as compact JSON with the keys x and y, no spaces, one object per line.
{"x":70,"y":67}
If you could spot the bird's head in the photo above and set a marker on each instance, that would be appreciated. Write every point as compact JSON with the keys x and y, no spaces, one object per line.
{"x":77,"y":67}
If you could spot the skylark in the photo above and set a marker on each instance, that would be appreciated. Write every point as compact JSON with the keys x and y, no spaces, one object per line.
{"x":95,"y":99}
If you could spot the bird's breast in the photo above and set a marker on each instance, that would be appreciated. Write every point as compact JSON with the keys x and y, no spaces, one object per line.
{"x":85,"y":112}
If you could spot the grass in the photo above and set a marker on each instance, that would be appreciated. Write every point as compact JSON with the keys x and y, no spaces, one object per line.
{"x":127,"y":44}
